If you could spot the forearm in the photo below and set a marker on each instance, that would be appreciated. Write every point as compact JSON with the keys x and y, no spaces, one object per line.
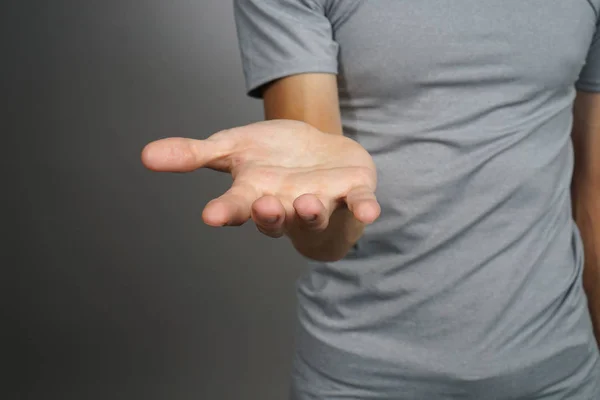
{"x":586,"y":207}
{"x":585,"y":193}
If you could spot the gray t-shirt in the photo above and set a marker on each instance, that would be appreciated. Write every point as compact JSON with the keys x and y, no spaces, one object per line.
{"x":469,"y":285}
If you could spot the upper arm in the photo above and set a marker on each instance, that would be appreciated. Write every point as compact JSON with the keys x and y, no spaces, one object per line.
{"x":290,"y":60}
{"x":311,"y":98}
{"x":586,"y":118}
{"x":586,"y":138}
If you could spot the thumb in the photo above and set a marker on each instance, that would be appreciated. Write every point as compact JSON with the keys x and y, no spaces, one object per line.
{"x":185,"y":155}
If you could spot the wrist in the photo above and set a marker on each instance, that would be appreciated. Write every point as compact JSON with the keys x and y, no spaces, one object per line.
{"x":334,"y":242}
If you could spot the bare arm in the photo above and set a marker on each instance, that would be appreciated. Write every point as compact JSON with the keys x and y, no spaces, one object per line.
{"x":313,"y":98}
{"x":585,"y":191}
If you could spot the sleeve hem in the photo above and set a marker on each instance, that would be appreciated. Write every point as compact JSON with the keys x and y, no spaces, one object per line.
{"x":256,"y":83}
{"x":588,"y":87}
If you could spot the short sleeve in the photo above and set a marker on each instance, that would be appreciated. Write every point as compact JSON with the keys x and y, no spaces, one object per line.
{"x":589,"y":79}
{"x":279,"y":38}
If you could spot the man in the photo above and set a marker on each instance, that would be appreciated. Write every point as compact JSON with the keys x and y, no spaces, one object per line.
{"x":472,"y":128}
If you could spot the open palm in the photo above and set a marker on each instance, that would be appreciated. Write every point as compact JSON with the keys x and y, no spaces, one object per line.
{"x":287,"y":175}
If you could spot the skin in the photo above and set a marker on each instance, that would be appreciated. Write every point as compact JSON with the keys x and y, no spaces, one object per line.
{"x":585,"y":190}
{"x":313,"y":99}
{"x":289,"y":176}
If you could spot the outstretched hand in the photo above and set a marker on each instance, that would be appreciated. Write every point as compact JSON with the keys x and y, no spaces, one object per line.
{"x":287,"y":176}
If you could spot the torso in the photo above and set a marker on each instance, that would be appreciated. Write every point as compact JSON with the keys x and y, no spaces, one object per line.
{"x":471,"y":279}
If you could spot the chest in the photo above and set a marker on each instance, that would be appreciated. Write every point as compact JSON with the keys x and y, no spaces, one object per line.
{"x":398,"y":46}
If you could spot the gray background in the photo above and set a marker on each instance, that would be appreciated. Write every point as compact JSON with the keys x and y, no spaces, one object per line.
{"x":113,"y":287}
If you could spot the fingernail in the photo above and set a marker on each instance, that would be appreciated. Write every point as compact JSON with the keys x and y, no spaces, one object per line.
{"x":271,"y":220}
{"x":310,"y":218}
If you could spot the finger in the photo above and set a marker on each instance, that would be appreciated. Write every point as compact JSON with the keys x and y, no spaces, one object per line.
{"x":363,"y":204}
{"x":311,"y":213}
{"x":185,"y":155}
{"x":269,"y":215}
{"x":232,"y":208}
